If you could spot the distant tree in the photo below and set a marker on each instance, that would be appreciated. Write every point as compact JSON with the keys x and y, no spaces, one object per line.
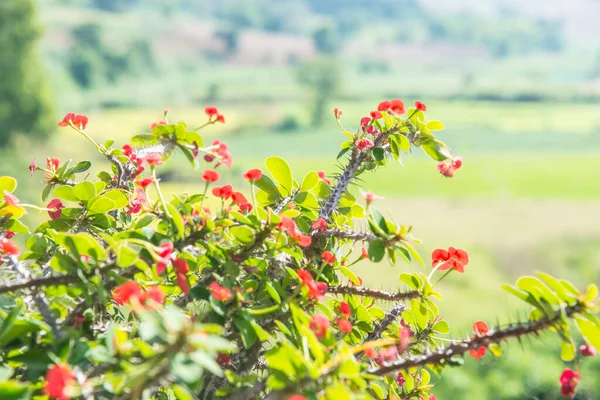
{"x":323,"y":78}
{"x":25,"y":104}
{"x":326,"y":40}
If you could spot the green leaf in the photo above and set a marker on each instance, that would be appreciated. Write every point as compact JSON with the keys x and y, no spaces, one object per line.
{"x":17,"y":226}
{"x":99,"y":205}
{"x":349,"y":274}
{"x":567,"y":352}
{"x":441,"y":327}
{"x":118,"y":196}
{"x":243,"y":233}
{"x":281,"y":171}
{"x":267,"y":185}
{"x":81,"y":166}
{"x":84,"y":191}
{"x":126,"y":256}
{"x":7,"y":325}
{"x":436,"y":149}
{"x":143,"y":141}
{"x":14,"y":390}
{"x":589,"y":330}
{"x":309,"y":182}
{"x":306,"y":200}
{"x":7,"y":183}
{"x":206,"y":362}
{"x":376,"y":250}
{"x":177,"y":220}
{"x":434,"y":125}
{"x":273,"y":292}
{"x":181,"y":393}
{"x":65,"y":192}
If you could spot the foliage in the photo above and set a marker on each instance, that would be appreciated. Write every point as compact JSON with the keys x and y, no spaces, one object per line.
{"x":123,"y":294}
{"x":24,"y":95}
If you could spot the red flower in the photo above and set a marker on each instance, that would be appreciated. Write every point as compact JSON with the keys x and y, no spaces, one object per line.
{"x":323,"y":177}
{"x":11,"y":199}
{"x":384,"y":105}
{"x":375,"y":115}
{"x":420,"y":106}
{"x":364,"y":253}
{"x":219,"y":292}
{"x":447,"y":167}
{"x":213,"y":115}
{"x":154,"y":159}
{"x":370,"y":352}
{"x":345,"y":310}
{"x":245,"y":208}
{"x":450,"y":259}
{"x":253,"y":175}
{"x":209,"y":158}
{"x":127,"y":292}
{"x":370,"y":196}
{"x":297,"y":397}
{"x":303,"y":240}
{"x":127,"y":150}
{"x":432,"y":397}
{"x":33,"y":167}
{"x":181,"y":266}
{"x":155,"y":294}
{"x":52,"y":164}
{"x":344,"y":325}
{"x":337,"y":112}
{"x":397,"y":107}
{"x":9,"y":248}
{"x":79,"y":121}
{"x":480,"y":328}
{"x":320,"y":324}
{"x":183,"y":283}
{"x":210,"y":175}
{"x":144,"y":182}
{"x":223,"y":359}
{"x":328,"y":257}
{"x":364,"y":121}
{"x":568,"y":381}
{"x":58,"y":378}
{"x":316,"y":290}
{"x":222,"y":152}
{"x":9,"y":234}
{"x":165,"y":249}
{"x":587,"y":350}
{"x":400,"y":379}
{"x":319,"y":225}
{"x":56,"y":205}
{"x":239,"y":198}
{"x":210,"y":111}
{"x":223,"y":192}
{"x":364,"y":144}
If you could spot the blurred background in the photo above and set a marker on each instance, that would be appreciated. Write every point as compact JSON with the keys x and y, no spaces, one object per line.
{"x":517,"y":84}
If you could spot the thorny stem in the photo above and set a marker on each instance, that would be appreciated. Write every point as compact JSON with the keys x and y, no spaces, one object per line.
{"x":373,"y":293}
{"x":457,"y":349}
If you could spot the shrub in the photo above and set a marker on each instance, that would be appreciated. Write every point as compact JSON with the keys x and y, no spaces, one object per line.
{"x":123,"y":293}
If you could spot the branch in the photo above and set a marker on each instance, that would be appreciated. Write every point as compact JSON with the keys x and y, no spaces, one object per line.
{"x":53,"y":280}
{"x":456,"y":349}
{"x":390,"y":317}
{"x":354,"y":236}
{"x":356,"y":160}
{"x":373,"y":293}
